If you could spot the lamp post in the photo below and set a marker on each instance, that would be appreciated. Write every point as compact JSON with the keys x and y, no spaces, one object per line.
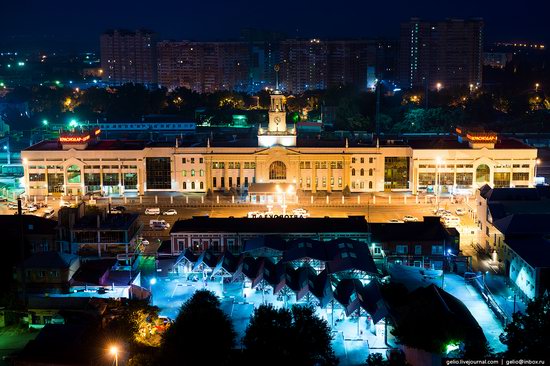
{"x":537,"y":163}
{"x":114,"y":351}
{"x":438,"y":162}
{"x":152,"y":282}
{"x":537,"y":86}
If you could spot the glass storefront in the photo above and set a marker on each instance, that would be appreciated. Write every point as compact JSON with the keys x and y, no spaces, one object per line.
{"x":483,"y":174}
{"x":73,"y":174}
{"x":92,"y":182}
{"x":158,"y":173}
{"x":130,"y":180}
{"x":501,"y":180}
{"x":110,"y":179}
{"x":396,"y":173}
{"x":55,"y":182}
{"x":464,"y":180}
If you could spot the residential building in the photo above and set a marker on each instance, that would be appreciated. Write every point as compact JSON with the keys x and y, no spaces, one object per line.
{"x":424,"y":244}
{"x":49,"y":272}
{"x":129,"y":57}
{"x":441,"y":54}
{"x":203,"y":67}
{"x":514,"y":228}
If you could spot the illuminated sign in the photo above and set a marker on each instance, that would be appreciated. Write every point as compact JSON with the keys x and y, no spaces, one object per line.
{"x":487,"y":137}
{"x":74,"y":139}
{"x":274,"y":216}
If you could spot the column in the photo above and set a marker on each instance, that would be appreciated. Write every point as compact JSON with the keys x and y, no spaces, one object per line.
{"x":208,"y":173}
{"x":140,"y":180}
{"x":346,"y":172}
{"x":241,"y":174}
{"x":313,"y":177}
{"x":226,"y":175}
{"x":329,"y":176}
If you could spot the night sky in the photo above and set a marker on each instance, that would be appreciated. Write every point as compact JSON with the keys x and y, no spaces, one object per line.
{"x":63,"y":23}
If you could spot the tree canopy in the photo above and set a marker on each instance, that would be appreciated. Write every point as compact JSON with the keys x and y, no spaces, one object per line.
{"x":293,"y":337}
{"x":201,"y":334}
{"x":528,"y":335}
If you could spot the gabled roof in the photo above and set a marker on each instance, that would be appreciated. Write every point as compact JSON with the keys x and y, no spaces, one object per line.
{"x":524,"y":224}
{"x":431,"y":229}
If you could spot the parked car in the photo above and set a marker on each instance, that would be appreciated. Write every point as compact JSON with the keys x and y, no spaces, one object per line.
{"x":49,"y":212}
{"x":65,"y":204}
{"x":158,"y":224}
{"x":3,"y":199}
{"x":152,"y":211}
{"x":31,"y":208}
{"x":394,"y":221}
{"x":300,"y":212}
{"x":12,"y":205}
{"x":409,"y":218}
{"x":460,"y":211}
{"x":170,"y":212}
{"x":144,"y":241}
{"x":120,"y":208}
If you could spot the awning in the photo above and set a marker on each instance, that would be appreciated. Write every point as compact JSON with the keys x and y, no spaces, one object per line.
{"x":271,"y":188}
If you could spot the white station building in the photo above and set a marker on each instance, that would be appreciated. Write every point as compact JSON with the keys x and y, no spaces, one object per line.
{"x":81,"y":162}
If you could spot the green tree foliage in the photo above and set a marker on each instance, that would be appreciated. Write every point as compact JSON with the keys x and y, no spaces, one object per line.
{"x":201,"y":334}
{"x":528,"y":335}
{"x":291,"y":337}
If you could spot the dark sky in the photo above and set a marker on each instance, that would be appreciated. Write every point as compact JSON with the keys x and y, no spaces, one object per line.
{"x":63,"y":23}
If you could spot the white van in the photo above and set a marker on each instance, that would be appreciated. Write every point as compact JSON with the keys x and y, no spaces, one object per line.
{"x":152,"y":211}
{"x":158,"y":224}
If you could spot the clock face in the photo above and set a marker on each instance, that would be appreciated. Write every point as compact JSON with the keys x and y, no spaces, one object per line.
{"x":277,"y":119}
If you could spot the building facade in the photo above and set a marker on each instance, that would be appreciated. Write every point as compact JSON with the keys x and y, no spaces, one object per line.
{"x":441,"y":54}
{"x":128,"y":57}
{"x":79,"y":163}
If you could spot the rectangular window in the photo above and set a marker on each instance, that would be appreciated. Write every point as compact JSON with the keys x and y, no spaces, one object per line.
{"x":34,"y":177}
{"x":353,"y":160}
{"x":340,"y":182}
{"x":371,"y":160}
{"x":396,"y":173}
{"x":214,"y":183}
{"x":230,"y":181}
{"x":401,"y":249}
{"x":192,"y":160}
{"x":418,"y":249}
{"x":184,"y":161}
{"x":437,"y":249}
{"x":111,"y":179}
{"x":501,"y":179}
{"x":520,"y":176}
{"x":362,"y":160}
{"x":201,"y":160}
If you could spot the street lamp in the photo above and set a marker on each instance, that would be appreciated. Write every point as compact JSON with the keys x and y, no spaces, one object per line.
{"x":152,"y":282}
{"x":114,"y":351}
{"x":537,"y":85}
{"x":45,"y":122}
{"x":438,"y":86}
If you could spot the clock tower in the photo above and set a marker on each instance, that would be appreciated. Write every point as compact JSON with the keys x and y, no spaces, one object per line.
{"x":277,"y":132}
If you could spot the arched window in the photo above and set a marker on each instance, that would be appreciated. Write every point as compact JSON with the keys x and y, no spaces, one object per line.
{"x":201,"y":184}
{"x":192,"y":172}
{"x":184,"y":185}
{"x":192,"y":185}
{"x":483,"y":174}
{"x":353,"y":172}
{"x":201,"y":172}
{"x":370,"y":184}
{"x":185,"y":173}
{"x":362,"y":172}
{"x":370,"y":172}
{"x":73,"y":174}
{"x":277,"y":170}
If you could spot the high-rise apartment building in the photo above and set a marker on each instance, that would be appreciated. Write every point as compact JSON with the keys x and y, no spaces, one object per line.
{"x":441,"y":54}
{"x":129,"y":57}
{"x":203,"y":67}
{"x":304,"y":65}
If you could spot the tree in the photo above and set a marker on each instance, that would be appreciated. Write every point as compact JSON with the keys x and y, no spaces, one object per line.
{"x":201,"y":326}
{"x":295,"y":336}
{"x":376,"y":359}
{"x":346,"y":192}
{"x":528,"y":335}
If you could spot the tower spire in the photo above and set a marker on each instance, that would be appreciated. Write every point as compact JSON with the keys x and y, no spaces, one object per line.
{"x":276,"y":68}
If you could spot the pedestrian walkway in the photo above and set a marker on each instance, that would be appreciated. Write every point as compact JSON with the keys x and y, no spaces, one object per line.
{"x":456,"y":286}
{"x":504,"y":295}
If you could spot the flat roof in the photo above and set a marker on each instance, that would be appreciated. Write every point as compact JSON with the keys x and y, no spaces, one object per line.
{"x":452,"y":143}
{"x":353,"y":224}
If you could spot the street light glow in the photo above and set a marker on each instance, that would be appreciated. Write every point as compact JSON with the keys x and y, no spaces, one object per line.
{"x":113,"y":350}
{"x":153,"y":281}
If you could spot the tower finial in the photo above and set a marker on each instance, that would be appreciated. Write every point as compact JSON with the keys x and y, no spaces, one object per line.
{"x":347,"y":143}
{"x":208,"y":142}
{"x":276,"y":68}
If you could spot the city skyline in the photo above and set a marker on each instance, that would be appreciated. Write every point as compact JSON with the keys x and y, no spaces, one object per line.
{"x":65,"y":27}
